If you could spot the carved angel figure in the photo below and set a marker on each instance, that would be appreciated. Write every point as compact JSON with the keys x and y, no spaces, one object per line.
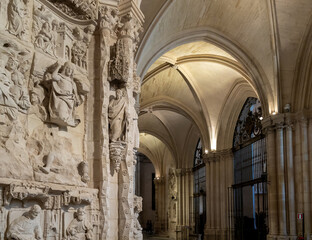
{"x":79,"y":228}
{"x":117,"y":115}
{"x":16,"y":13}
{"x":63,"y":96}
{"x":26,"y":227}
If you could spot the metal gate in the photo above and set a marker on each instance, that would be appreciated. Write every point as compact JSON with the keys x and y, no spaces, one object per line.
{"x":248,"y":196}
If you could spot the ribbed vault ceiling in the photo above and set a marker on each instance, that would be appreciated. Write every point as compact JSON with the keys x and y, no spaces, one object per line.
{"x":200,"y":59}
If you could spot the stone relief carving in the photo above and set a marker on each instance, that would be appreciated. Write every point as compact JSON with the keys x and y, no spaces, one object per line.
{"x":56,"y":153}
{"x":79,"y":9}
{"x":63,"y":95}
{"x":48,"y":163}
{"x":117,"y":115}
{"x":121,"y":67}
{"x":14,"y":96}
{"x":46,"y":39}
{"x":80,"y":46}
{"x":79,"y":228}
{"x":25,"y":191}
{"x":26,"y":226}
{"x":17,"y":23}
{"x":109,"y":20}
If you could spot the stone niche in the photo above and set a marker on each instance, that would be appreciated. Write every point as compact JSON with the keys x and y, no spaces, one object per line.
{"x":44,"y":86}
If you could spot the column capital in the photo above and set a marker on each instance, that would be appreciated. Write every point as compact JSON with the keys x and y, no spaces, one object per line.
{"x":159,"y":180}
{"x":211,"y":157}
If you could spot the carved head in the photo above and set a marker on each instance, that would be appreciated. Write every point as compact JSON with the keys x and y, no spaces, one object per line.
{"x":11,"y":64}
{"x":89,"y":29}
{"x":4,"y":79}
{"x":34,"y":211}
{"x":119,"y":93}
{"x":69,"y":69}
{"x":80,"y":214}
{"x":46,"y":26}
{"x":55,"y":24}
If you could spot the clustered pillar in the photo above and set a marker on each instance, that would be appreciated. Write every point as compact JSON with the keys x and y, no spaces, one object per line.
{"x":219,"y":177}
{"x":289,"y":169}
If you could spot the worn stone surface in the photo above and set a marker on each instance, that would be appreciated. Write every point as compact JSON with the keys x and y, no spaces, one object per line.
{"x":59,"y":123}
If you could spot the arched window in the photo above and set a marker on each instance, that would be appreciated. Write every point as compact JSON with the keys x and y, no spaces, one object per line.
{"x":250,"y":183}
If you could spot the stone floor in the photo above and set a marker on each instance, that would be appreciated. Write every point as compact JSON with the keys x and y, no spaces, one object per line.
{"x":147,"y":236}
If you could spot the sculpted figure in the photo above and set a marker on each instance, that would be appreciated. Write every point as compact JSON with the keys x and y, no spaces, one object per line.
{"x":79,"y":228}
{"x":46,"y":39}
{"x":19,"y":90}
{"x":16,"y":13}
{"x":7,"y":103}
{"x":63,"y":98}
{"x":117,"y":115}
{"x":13,"y":93}
{"x":26,"y":227}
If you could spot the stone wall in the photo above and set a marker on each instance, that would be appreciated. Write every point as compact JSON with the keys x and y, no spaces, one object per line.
{"x":68,"y":129}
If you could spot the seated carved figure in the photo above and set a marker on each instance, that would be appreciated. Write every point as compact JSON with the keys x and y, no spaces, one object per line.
{"x":26,"y":227}
{"x":79,"y":228}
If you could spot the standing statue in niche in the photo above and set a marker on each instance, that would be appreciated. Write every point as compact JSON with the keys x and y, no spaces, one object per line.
{"x":63,"y":96}
{"x":16,"y":13}
{"x":79,"y":228}
{"x":26,"y":227}
{"x":117,"y":115}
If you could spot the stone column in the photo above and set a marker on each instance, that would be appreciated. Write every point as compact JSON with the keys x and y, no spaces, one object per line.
{"x":272,"y":187}
{"x":290,"y":181}
{"x":122,"y":75}
{"x":212,"y":228}
{"x":159,"y":182}
{"x":107,"y":39}
{"x":179,"y":203}
{"x":305,"y":178}
{"x":208,"y":189}
{"x":281,"y":180}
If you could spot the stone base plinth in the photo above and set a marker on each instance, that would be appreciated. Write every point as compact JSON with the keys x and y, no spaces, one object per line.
{"x":216,"y":234}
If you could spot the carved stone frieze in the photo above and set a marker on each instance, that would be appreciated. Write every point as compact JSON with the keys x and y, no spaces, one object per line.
{"x":49,"y":197}
{"x":79,"y":9}
{"x":24,"y":191}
